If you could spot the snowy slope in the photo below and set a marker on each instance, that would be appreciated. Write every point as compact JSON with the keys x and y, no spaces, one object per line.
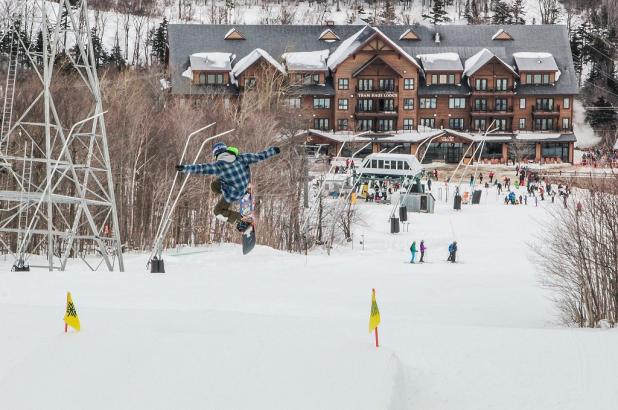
{"x":273,"y":330}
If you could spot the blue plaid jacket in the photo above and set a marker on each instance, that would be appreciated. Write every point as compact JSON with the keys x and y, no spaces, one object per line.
{"x":234,"y":176}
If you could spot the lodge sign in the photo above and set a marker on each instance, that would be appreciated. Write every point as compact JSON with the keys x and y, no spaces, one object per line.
{"x":377,"y":95}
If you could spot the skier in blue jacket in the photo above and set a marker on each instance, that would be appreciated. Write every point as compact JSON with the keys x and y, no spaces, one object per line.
{"x":233,"y":177}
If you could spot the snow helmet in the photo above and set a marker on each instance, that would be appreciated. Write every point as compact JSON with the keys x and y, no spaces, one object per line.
{"x":218,"y":148}
{"x":233,"y":150}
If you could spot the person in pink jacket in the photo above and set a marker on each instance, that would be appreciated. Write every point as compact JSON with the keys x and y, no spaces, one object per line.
{"x":422,"y":249}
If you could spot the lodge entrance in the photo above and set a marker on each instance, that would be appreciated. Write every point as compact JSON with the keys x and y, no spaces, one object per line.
{"x":448,"y":152}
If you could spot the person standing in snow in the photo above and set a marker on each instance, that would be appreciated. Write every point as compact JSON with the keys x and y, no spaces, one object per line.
{"x":491,"y":177}
{"x":413,"y":251}
{"x":422,"y":249}
{"x":499,"y":188}
{"x":471,"y":180}
{"x":452,"y":252}
{"x":233,"y":178}
{"x":429,"y":184}
{"x":481,"y":178}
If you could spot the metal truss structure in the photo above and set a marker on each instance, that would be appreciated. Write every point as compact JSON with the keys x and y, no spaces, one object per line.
{"x":56,"y":189}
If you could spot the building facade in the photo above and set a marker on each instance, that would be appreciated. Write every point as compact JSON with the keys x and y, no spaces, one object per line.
{"x":479,"y":92}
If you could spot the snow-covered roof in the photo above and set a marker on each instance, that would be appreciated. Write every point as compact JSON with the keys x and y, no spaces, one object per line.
{"x":474,"y":63}
{"x":347,"y":47}
{"x":536,"y":136}
{"x":248,"y":60}
{"x":409,"y":35}
{"x":188,"y":73}
{"x":328,"y":35}
{"x":528,"y":61}
{"x":352,"y":43}
{"x":307,"y":60}
{"x":213,"y":61}
{"x":441,"y":62}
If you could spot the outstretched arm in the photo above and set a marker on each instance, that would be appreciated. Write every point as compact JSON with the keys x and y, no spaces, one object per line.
{"x":252,"y":158}
{"x":208,"y":169}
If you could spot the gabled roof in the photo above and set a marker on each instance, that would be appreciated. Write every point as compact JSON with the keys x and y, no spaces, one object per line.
{"x":248,"y":60}
{"x":371,"y":61}
{"x":359,"y":39}
{"x":527,"y":61}
{"x":329,"y":35}
{"x":306,"y":60}
{"x":234,"y":34}
{"x":409,"y":35}
{"x":502,"y":35}
{"x":441,"y":62}
{"x":477,"y":61}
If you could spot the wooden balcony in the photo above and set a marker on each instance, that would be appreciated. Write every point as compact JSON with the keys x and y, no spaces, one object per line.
{"x":376,"y":112}
{"x":508,"y":112}
{"x":492,"y":91}
{"x":546,"y":111}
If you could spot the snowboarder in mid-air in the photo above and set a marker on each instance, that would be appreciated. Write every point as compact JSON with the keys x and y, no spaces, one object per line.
{"x":233,"y":177}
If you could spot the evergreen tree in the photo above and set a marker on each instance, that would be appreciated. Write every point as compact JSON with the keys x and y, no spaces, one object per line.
{"x":159,"y":43}
{"x":100,"y":55}
{"x":438,"y":13}
{"x":388,"y":13}
{"x":502,"y":13}
{"x":115,"y":58}
{"x":518,"y":12}
{"x":604,"y":119}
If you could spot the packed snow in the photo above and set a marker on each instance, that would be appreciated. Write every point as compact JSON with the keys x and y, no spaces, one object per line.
{"x":212,"y":61}
{"x":306,"y":60}
{"x":274,"y":330}
{"x":528,"y":61}
{"x":441,"y":62}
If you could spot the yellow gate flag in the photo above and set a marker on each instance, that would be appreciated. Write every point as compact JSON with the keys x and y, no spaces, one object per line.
{"x":374,"y":318}
{"x":70,"y":317}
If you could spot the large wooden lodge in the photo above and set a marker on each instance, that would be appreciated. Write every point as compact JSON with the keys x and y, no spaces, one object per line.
{"x":397,"y":88}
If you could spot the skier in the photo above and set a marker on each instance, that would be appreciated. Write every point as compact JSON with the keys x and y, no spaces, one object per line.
{"x":452,"y":252}
{"x":429,"y":184}
{"x":491,"y":176}
{"x":233,"y":177}
{"x":423,"y":247}
{"x":413,"y":251}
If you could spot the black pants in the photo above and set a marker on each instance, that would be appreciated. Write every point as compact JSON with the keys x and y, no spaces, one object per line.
{"x":422,"y":256}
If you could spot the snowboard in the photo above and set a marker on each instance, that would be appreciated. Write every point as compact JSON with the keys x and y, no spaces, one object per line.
{"x":247,"y":205}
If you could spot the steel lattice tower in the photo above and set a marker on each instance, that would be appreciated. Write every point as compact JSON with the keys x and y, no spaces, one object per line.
{"x":56,"y":189}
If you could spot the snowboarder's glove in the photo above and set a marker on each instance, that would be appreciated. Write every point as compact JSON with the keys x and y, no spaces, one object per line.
{"x":277,"y":150}
{"x":180,"y":168}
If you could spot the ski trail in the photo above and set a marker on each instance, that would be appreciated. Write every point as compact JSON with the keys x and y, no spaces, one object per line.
{"x":399,"y":394}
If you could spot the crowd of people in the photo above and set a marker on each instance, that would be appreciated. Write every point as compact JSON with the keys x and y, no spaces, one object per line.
{"x":597,"y":157}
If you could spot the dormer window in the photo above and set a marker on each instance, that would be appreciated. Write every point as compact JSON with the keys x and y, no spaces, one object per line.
{"x":409,"y":35}
{"x":442,"y":79}
{"x":502,"y":35}
{"x":538,"y":78}
{"x":234,"y":34}
{"x":329,"y":36}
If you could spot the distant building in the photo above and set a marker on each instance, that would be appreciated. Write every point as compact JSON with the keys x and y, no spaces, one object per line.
{"x":400,"y":87}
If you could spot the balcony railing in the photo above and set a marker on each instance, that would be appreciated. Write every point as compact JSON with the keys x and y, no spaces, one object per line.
{"x":492,"y":91}
{"x":377,"y":89}
{"x":377,"y":110}
{"x":546,"y":110}
{"x":376,"y":129}
{"x":492,"y":111}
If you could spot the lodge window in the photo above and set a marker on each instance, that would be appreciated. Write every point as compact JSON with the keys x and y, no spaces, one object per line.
{"x":434,"y":79}
{"x":522,"y":123}
{"x":308,"y":79}
{"x":566,"y":103}
{"x":456,"y":103}
{"x":249,"y":82}
{"x":481,"y":84}
{"x":428,"y":122}
{"x":364,"y":125}
{"x":537,"y":78}
{"x":342,"y":124}
{"x":501,"y":124}
{"x":202,"y":79}
{"x":387,"y":84}
{"x":555,"y":149}
{"x":543,"y":124}
{"x":408,"y":124}
{"x":320,"y":123}
{"x":522,"y":103}
{"x":501,"y":84}
{"x":408,"y":103}
{"x":386,"y":124}
{"x":365,"y":85}
{"x":443,"y":79}
{"x":343,"y":104}
{"x":565,"y":123}
{"x":321,"y":103}
{"x":456,"y":123}
{"x":386,"y":104}
{"x":492,"y":150}
{"x":480,"y":124}
{"x":365,"y":105}
{"x":501,"y":104}
{"x":544,"y":104}
{"x":428,"y":102}
{"x":214,"y":79}
{"x":343,"y":84}
{"x":408,"y":84}
{"x":480,"y":104}
{"x":292,"y":102}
